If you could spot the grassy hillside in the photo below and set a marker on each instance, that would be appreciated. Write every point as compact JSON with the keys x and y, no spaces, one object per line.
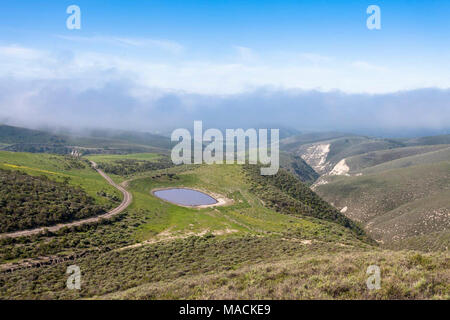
{"x":286,"y":194}
{"x":173,"y":231}
{"x":128,"y":167}
{"x":248,"y":248}
{"x":297,"y":166}
{"x":435,"y":241}
{"x":345,"y":147}
{"x":77,"y":173}
{"x":441,"y":154}
{"x":433,"y":140}
{"x":29,"y":202}
{"x":110,"y":158}
{"x":239,"y":268}
{"x":148,"y":218}
{"x":398,"y":188}
{"x":12,"y":135}
{"x":300,"y":273}
{"x":323,"y":154}
{"x":133,"y":138}
{"x":372,"y":159}
{"x":395,"y":204}
{"x":322,"y":151}
{"x":293,"y":142}
{"x":109,"y":145}
{"x":101,"y":141}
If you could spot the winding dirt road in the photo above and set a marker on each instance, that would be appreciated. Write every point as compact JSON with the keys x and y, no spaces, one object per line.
{"x":127,"y":198}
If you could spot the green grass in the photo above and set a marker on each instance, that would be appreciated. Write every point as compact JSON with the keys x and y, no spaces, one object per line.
{"x":341,"y":147}
{"x":172,"y":218}
{"x":311,"y":273}
{"x":246,"y":215}
{"x":250,"y":267}
{"x":381,"y":159}
{"x":435,"y":241}
{"x":437,"y":154}
{"x":114,"y":157}
{"x":59,"y":168}
{"x":433,"y":140}
{"x":150,"y":218}
{"x":297,"y":166}
{"x":11,"y":135}
{"x":293,"y":142}
{"x":270,"y":255}
{"x":427,"y":215}
{"x":97,"y":141}
{"x":395,"y":204}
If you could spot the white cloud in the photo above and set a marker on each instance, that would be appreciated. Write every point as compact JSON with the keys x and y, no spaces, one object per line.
{"x":65,"y":103}
{"x":167,"y":45}
{"x":368,"y":67}
{"x":94,"y":69}
{"x":245,"y":53}
{"x":315,"y":58}
{"x":20,"y":53}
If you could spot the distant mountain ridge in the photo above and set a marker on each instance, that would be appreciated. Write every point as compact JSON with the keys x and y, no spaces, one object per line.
{"x":12,"y":135}
{"x":398,"y":188}
{"x":324,"y":150}
{"x":98,"y":141}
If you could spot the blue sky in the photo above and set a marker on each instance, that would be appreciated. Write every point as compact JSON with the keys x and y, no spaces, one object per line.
{"x":263,"y":25}
{"x":414,"y":41}
{"x":148,"y":49}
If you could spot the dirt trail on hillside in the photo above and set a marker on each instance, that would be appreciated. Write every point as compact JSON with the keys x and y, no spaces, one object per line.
{"x":127,"y":198}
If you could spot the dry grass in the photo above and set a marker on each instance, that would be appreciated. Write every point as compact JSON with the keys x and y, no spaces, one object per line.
{"x":336,"y":276}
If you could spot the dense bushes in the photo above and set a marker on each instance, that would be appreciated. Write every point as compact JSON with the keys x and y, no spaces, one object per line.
{"x":236,"y":268}
{"x":298,"y":167}
{"x":130,"y":166}
{"x":27,"y":202}
{"x":117,"y":270}
{"x":39,"y":148}
{"x":286,"y":194}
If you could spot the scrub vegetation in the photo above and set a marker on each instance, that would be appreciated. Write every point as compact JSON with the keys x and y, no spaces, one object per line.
{"x":28,"y":202}
{"x":275,"y":239}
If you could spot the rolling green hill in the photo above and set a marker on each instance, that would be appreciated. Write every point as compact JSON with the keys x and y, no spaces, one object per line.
{"x":77,"y":173}
{"x":323,"y":151}
{"x":397,"y":188}
{"x":384,"y":157}
{"x":343,"y":148}
{"x":101,"y":141}
{"x":439,"y":155}
{"x":293,"y":142}
{"x":395,"y":204}
{"x":122,"y":141}
{"x":297,"y":166}
{"x":273,"y":234}
{"x":13,"y":135}
{"x":29,"y":202}
{"x":432,"y":140}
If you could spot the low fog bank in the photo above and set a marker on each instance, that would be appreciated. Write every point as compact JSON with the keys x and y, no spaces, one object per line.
{"x":62,"y":105}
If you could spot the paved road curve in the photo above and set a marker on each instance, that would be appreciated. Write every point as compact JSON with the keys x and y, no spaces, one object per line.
{"x":127,"y":198}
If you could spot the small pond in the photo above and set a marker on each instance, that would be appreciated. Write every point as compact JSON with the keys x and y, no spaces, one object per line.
{"x":185,"y":197}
